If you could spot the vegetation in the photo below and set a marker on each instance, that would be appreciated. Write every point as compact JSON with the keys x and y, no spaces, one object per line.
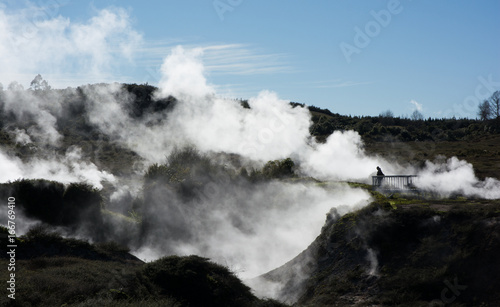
{"x":190,"y":168}
{"x":490,"y":108}
{"x":401,"y":251}
{"x":420,"y":247}
{"x":483,"y":152}
{"x":53,"y":271}
{"x":77,"y":205}
{"x":195,"y":281}
{"x":279,"y":169}
{"x":391,"y":129}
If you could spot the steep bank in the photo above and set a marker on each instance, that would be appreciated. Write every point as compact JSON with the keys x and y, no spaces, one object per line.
{"x":398,"y":251}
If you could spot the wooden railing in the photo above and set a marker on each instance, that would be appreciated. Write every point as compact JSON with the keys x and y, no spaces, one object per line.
{"x":395,"y":183}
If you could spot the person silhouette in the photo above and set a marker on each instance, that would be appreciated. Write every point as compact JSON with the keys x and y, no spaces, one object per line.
{"x":379,"y":171}
{"x":380,"y":176}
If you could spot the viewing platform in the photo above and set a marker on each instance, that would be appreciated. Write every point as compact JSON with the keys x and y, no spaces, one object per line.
{"x":395,"y":183}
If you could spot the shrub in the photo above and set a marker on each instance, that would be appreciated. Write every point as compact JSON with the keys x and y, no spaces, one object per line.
{"x":42,"y":232}
{"x":197,"y":282}
{"x":182,"y":164}
{"x":78,"y":206}
{"x":157,"y":172}
{"x":40,"y":199}
{"x":111,"y":247}
{"x":279,"y":168}
{"x":81,"y":202}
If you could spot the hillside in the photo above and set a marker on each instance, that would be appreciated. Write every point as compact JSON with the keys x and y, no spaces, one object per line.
{"x":482,"y":151}
{"x":53,"y":271}
{"x":397,"y":251}
{"x":116,"y":171}
{"x":412,"y":142}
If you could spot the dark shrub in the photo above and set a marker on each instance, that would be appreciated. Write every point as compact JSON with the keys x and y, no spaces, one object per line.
{"x":43,"y":233}
{"x":81,"y":202}
{"x":40,"y":199}
{"x":78,"y":204}
{"x":198,"y":282}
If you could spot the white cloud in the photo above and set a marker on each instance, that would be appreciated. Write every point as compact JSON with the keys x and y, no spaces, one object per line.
{"x":34,"y":40}
{"x":241,"y":60}
{"x":238,"y":60}
{"x":338,"y":83}
{"x":107,"y":48}
{"x":416,"y":106}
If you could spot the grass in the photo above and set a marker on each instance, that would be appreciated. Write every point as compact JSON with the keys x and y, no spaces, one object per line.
{"x":483,"y":153}
{"x":54,"y":281}
{"x":132,"y":219}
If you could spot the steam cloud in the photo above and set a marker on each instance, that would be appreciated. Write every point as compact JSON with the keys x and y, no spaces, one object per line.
{"x":66,"y":169}
{"x":41,"y":110}
{"x":250,"y":228}
{"x":455,"y":176}
{"x":239,"y":225}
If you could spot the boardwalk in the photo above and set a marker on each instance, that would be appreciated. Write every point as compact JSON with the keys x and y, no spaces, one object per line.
{"x":393,"y":184}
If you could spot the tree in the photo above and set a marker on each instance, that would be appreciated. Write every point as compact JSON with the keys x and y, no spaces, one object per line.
{"x":15,"y":86}
{"x":1,"y":87}
{"x":494,"y":101}
{"x":416,"y":115}
{"x":39,"y":84}
{"x":387,"y":114}
{"x":279,"y":168}
{"x":485,"y":111}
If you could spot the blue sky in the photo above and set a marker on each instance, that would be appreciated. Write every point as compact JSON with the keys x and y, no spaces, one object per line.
{"x":352,"y":57}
